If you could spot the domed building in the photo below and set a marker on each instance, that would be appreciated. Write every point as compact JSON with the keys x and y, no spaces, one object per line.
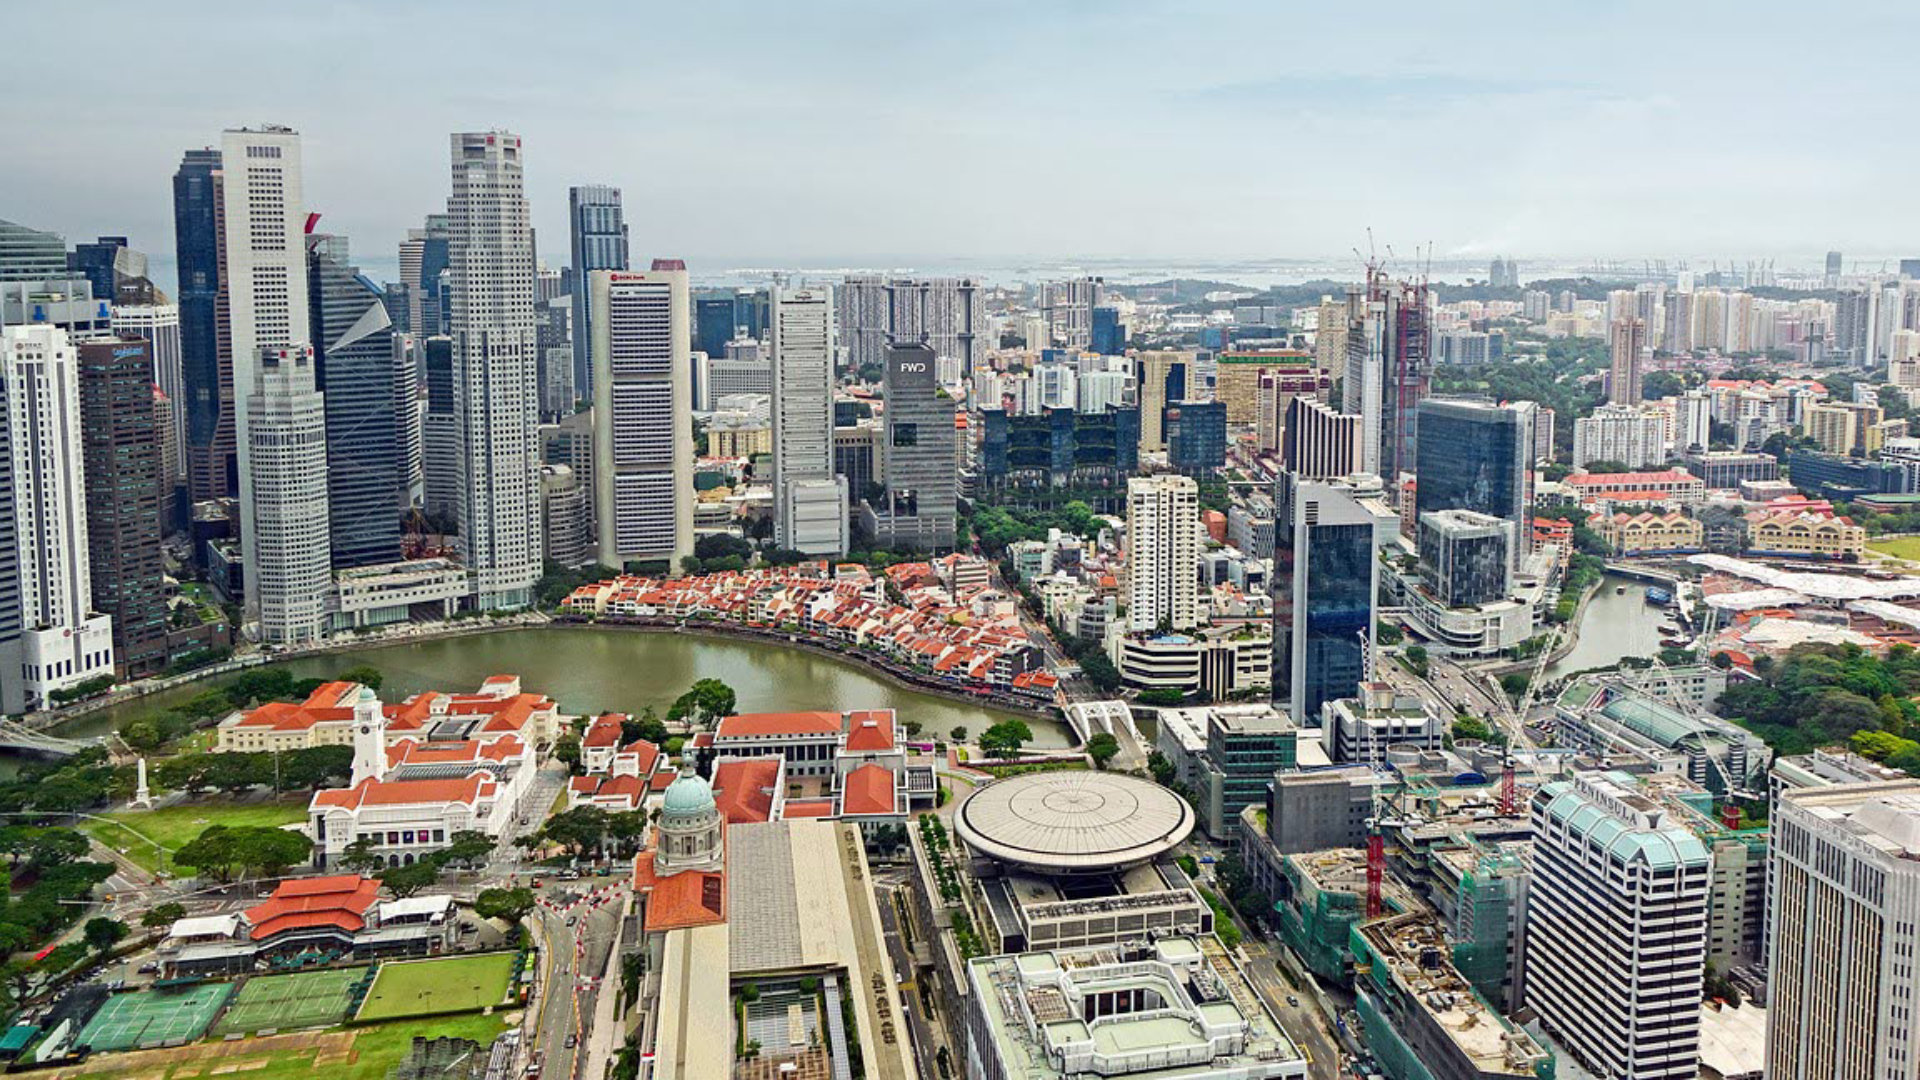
{"x":691,"y":832}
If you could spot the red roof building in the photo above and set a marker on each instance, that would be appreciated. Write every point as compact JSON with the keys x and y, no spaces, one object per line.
{"x":339,"y":902}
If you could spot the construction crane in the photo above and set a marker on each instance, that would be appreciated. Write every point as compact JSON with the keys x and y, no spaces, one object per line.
{"x":1517,"y":734}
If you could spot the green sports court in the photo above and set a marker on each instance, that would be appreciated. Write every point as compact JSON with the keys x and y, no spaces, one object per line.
{"x":431,"y":987}
{"x":154,"y":1017}
{"x":297,"y":1000}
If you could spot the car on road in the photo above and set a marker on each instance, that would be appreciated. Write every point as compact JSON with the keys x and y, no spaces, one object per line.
{"x":573,"y":1041}
{"x":1293,"y":1002}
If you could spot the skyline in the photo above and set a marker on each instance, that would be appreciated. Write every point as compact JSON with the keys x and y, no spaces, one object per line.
{"x":1135,"y":131}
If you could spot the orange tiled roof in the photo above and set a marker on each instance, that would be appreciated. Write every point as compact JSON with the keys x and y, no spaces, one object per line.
{"x":744,"y":788}
{"x":341,"y":900}
{"x":787,"y":723}
{"x":867,"y":790}
{"x":807,"y":808}
{"x":371,"y":792}
{"x":680,"y":900}
{"x":872,"y":731}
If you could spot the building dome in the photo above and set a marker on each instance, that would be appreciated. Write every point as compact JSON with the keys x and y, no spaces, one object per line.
{"x":689,"y":796}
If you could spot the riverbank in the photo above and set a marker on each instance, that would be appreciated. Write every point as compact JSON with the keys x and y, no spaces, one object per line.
{"x":886,"y":670}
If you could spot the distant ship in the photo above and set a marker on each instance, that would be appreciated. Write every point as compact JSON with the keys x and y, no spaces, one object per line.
{"x":1658,"y":596}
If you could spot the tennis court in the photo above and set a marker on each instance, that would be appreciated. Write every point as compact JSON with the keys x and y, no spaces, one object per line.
{"x":154,"y":1017}
{"x":299,"y":1000}
{"x":431,"y":987}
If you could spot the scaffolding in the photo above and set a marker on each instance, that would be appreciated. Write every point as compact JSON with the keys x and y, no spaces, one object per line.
{"x":1483,"y":925}
{"x":1318,"y":917}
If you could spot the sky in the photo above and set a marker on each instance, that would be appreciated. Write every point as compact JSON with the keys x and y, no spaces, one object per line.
{"x":855,"y":131}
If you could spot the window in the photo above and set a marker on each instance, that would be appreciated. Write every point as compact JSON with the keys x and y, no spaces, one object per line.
{"x":906,"y":434}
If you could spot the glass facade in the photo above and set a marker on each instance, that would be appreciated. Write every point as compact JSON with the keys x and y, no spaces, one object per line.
{"x":599,"y":236}
{"x":356,"y":352}
{"x":207,"y":380}
{"x":1466,"y":557}
{"x":1324,"y":581}
{"x":1109,"y":336}
{"x":1196,"y":434}
{"x":713,"y":324}
{"x":1473,"y":456}
{"x":1058,"y":447}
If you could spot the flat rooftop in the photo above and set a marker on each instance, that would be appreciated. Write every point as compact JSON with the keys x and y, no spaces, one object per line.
{"x":1199,"y":1016}
{"x":1415,"y":953}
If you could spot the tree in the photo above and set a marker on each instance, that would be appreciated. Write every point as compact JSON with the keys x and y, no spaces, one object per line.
{"x":404,"y":881}
{"x":577,"y":830}
{"x":1163,"y":770}
{"x":566,"y":749}
{"x":1004,"y":739}
{"x":53,"y":847}
{"x":102,"y":934}
{"x":1416,"y":657}
{"x":1102,"y":747}
{"x":268,"y":851}
{"x":1162,"y":696}
{"x":211,"y":853}
{"x":466,"y":847}
{"x":647,"y":726}
{"x":1608,"y":465}
{"x":705,"y":702}
{"x":958,"y":734}
{"x":511,"y":905}
{"x":365,"y":674}
{"x":1387,"y":633}
{"x":163,"y":915}
{"x":360,"y":858}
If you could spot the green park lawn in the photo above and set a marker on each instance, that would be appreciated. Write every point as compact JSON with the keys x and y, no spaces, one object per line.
{"x":430,"y":987}
{"x":376,"y":1049}
{"x":1900,"y":547}
{"x":175,"y":825}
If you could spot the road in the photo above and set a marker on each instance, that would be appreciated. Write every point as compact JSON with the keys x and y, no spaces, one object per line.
{"x":889,"y":885}
{"x":1308,"y":1023}
{"x":577,"y":925}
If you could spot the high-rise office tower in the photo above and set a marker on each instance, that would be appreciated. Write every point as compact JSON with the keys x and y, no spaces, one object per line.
{"x":1834,"y":269}
{"x":1616,"y":928}
{"x":443,"y":466}
{"x":1325,"y":580}
{"x":263,"y":284}
{"x":1161,"y":377}
{"x":599,"y":236}
{"x":423,"y":275}
{"x":1330,"y":335}
{"x":1196,"y":434}
{"x":1843,"y":931}
{"x":287,"y":455}
{"x":489,"y":300}
{"x":1318,"y":443}
{"x":159,"y":326}
{"x":408,"y":414}
{"x":1480,"y":459}
{"x":358,"y":356}
{"x":919,"y":463}
{"x":63,"y":640}
{"x":642,"y":423}
{"x":13,"y":697}
{"x":120,"y":448}
{"x":206,"y":405}
{"x":1068,"y":308}
{"x":1387,"y":370}
{"x":810,"y":500}
{"x":1466,"y":557}
{"x":1109,"y":332}
{"x":1163,"y":553}
{"x":28,"y":254}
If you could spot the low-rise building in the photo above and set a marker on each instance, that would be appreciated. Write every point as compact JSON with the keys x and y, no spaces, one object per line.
{"x":1607,"y":491}
{"x":326,"y":718}
{"x":1227,"y":755}
{"x":1650,"y":533}
{"x":1423,"y":1018}
{"x":1807,"y":536}
{"x":337,"y":917}
{"x":1362,"y":728}
{"x":1216,"y":662}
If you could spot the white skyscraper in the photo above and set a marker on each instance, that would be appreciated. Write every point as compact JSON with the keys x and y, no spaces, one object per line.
{"x":495,"y":368}
{"x":1631,"y":436}
{"x":1617,"y":929}
{"x":287,"y":433}
{"x":1843,"y":933}
{"x":642,"y":414}
{"x":62,"y":641}
{"x":160,"y":325}
{"x":264,"y":280}
{"x":1163,"y":552}
{"x":810,"y":500}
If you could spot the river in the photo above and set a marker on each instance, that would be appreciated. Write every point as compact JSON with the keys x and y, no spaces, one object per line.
{"x":1615,"y":624}
{"x":594,"y":670}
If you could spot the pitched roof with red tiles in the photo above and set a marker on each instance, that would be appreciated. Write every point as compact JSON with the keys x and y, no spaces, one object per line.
{"x":329,"y":702}
{"x":370,"y":792}
{"x":806,"y":808}
{"x":340,"y":901}
{"x":604,"y":731}
{"x":867,"y":790}
{"x":778,"y":723}
{"x":677,"y":901}
{"x":744,"y":788}
{"x":870,"y":730}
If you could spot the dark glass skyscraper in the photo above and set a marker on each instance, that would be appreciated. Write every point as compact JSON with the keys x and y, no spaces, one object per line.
{"x":1324,"y":581}
{"x":356,"y":351}
{"x":599,"y":243}
{"x":1475,"y":455}
{"x":713,"y":324}
{"x":1109,"y":335}
{"x":120,"y":450}
{"x":95,"y":263}
{"x":1196,"y":433}
{"x":206,"y":375}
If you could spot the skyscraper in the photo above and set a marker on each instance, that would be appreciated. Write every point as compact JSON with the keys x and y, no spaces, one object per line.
{"x":1163,"y":553}
{"x":1616,"y":928}
{"x":1479,"y":459}
{"x":1196,"y":434}
{"x":1676,"y":335}
{"x":874,"y":310}
{"x":28,"y":254}
{"x":1843,"y":932}
{"x":357,"y":354}
{"x":288,"y":581}
{"x":1068,"y":308}
{"x":1834,"y":269}
{"x":206,"y":406}
{"x":1325,"y":579}
{"x":1465,"y":557}
{"x":642,"y":420}
{"x":1109,"y":333}
{"x":120,"y":449}
{"x":919,"y":467}
{"x":599,"y":235}
{"x":1629,"y":337}
{"x":490,"y":307}
{"x":63,"y":641}
{"x":443,"y":468}
{"x":1387,"y":370}
{"x":1161,"y":377}
{"x":159,"y":326}
{"x":1856,"y":314}
{"x":1317,"y":443}
{"x":263,"y":282}
{"x":13,"y":697}
{"x":810,"y":501}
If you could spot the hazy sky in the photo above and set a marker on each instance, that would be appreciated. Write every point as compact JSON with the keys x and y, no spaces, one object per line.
{"x":809,"y":131}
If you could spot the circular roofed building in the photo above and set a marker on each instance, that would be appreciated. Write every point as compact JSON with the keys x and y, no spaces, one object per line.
{"x":1073,"y":822}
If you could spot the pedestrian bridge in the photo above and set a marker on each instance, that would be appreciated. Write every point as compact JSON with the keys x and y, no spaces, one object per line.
{"x":16,"y":737}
